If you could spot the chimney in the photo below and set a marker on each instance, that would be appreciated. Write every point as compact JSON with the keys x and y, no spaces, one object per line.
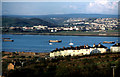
{"x":75,"y":47}
{"x":63,"y":47}
{"x":84,"y":46}
{"x":116,"y":43}
{"x":71,"y":46}
{"x":56,"y":48}
{"x":99,"y":45}
{"x":93,"y":45}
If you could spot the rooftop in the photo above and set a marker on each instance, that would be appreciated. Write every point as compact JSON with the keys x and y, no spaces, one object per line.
{"x":78,"y":47}
{"x":117,"y":44}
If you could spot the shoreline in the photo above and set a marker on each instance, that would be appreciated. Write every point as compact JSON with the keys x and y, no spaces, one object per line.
{"x":67,"y":34}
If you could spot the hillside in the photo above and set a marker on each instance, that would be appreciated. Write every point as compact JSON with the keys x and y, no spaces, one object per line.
{"x":96,"y":65}
{"x":16,"y":21}
{"x":30,"y":20}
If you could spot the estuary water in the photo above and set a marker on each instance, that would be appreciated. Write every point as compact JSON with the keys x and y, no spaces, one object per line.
{"x":40,"y":43}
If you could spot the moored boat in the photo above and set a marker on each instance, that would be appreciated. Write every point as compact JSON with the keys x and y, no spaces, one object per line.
{"x":71,"y":43}
{"x":7,"y":40}
{"x":55,"y":40}
{"x":108,"y":42}
{"x":50,"y":43}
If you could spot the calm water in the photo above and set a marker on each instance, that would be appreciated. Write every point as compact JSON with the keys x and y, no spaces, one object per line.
{"x":40,"y":43}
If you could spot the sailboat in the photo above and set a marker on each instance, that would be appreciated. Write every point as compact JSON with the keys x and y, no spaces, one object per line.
{"x":70,"y":43}
{"x":50,"y":43}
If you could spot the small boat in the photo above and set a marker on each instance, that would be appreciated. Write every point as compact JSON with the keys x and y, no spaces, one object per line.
{"x":55,"y":40}
{"x":7,"y":40}
{"x":50,"y":43}
{"x":71,"y":43}
{"x":108,"y":42}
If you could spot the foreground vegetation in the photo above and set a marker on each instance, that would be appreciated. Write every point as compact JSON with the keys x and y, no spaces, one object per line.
{"x":97,"y":65}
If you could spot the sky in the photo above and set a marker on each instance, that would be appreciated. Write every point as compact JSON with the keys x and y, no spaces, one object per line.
{"x":45,"y":8}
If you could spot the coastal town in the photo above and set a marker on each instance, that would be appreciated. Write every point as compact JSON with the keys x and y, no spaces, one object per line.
{"x":17,"y":60}
{"x":60,"y":38}
{"x":72,"y":24}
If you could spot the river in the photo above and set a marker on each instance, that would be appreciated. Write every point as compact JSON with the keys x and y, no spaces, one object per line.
{"x":40,"y":43}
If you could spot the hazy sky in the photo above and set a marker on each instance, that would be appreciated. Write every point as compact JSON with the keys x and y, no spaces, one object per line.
{"x":44,"y":8}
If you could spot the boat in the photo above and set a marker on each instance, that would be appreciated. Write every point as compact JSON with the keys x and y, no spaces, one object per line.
{"x":7,"y":40}
{"x":71,"y":43}
{"x":108,"y":42}
{"x":50,"y":43}
{"x":55,"y":40}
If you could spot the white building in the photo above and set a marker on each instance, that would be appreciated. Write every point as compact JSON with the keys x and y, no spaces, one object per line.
{"x":115,"y":48}
{"x":40,"y":27}
{"x":79,"y":50}
{"x":98,"y":49}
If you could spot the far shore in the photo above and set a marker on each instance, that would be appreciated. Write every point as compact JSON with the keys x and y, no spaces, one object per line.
{"x":70,"y":34}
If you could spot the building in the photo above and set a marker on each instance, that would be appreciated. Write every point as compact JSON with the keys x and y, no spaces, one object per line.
{"x":40,"y":27}
{"x":115,"y":48}
{"x":98,"y":49}
{"x":10,"y":66}
{"x":78,"y":51}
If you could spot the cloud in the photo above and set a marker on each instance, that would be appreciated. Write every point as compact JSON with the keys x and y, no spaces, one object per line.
{"x":73,"y":7}
{"x":102,"y":7}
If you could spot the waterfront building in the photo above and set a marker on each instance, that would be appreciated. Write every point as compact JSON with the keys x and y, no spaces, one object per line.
{"x":78,"y":50}
{"x":115,"y":47}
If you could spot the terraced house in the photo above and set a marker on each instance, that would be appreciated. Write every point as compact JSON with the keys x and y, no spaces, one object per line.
{"x":115,"y":47}
{"x":79,"y":50}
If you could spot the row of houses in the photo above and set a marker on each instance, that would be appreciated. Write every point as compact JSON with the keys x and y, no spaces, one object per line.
{"x":115,"y":48}
{"x":83,"y":50}
{"x":87,"y":27}
{"x":79,"y":50}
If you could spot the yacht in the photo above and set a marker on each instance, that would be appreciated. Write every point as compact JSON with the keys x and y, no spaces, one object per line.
{"x":50,"y":43}
{"x":70,"y":43}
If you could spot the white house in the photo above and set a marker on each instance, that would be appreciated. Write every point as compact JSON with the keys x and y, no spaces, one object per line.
{"x":115,"y":48}
{"x":40,"y":27}
{"x":79,"y":50}
{"x":98,"y":49}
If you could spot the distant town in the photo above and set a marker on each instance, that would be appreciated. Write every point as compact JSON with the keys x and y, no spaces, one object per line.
{"x":72,"y":24}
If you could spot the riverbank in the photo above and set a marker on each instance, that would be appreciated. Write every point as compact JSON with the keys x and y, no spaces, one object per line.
{"x":69,"y":34}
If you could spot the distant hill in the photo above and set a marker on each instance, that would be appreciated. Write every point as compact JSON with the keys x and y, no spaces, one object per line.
{"x":68,"y":16}
{"x":30,"y":20}
{"x":16,"y":21}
